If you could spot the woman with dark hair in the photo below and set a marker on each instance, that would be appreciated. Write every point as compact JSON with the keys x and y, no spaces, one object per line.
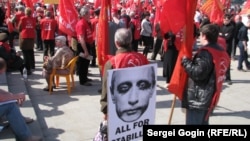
{"x":170,"y":55}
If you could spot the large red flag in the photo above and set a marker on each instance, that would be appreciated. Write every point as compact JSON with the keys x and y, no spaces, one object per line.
{"x":173,"y":15}
{"x":103,"y":34}
{"x":68,"y":17}
{"x":179,"y":77}
{"x":246,"y":8}
{"x":216,"y":15}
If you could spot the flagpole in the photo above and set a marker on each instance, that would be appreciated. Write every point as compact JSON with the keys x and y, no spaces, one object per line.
{"x":172,"y":110}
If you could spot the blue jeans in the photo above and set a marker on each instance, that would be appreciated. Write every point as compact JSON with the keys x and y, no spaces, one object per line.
{"x":196,"y":117}
{"x":243,"y":56}
{"x":12,"y":112}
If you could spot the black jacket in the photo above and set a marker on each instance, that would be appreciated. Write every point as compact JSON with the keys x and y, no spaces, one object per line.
{"x":201,"y":86}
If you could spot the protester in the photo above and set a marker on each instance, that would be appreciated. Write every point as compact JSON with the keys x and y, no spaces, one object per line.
{"x":12,"y":58}
{"x":49,"y":28}
{"x":227,"y":32}
{"x":243,"y":39}
{"x":135,"y":26}
{"x":85,"y":42}
{"x":146,"y":33}
{"x":10,"y":110}
{"x":61,"y":58}
{"x":206,"y":72}
{"x":169,"y":56}
{"x":27,"y":27}
{"x":158,"y":42}
{"x":124,"y":58}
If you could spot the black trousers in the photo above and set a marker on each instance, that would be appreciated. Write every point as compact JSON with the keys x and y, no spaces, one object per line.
{"x":49,"y":47}
{"x":29,"y":59}
{"x":156,"y":48}
{"x":82,"y":65}
{"x":93,"y":53}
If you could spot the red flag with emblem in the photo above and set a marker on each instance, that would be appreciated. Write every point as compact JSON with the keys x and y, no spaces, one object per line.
{"x":68,"y":17}
{"x":103,"y":34}
{"x":179,"y":77}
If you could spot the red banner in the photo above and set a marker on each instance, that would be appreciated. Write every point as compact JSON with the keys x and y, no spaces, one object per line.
{"x":179,"y":77}
{"x":68,"y":17}
{"x":102,"y":34}
{"x":173,"y":17}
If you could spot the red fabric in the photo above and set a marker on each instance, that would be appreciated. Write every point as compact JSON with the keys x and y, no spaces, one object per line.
{"x":173,"y":17}
{"x":129,"y":3}
{"x":6,"y":46}
{"x":28,"y":26}
{"x":221,"y":62}
{"x":68,"y":17}
{"x":216,"y":15}
{"x":94,"y":22}
{"x":102,"y":35}
{"x":179,"y":77}
{"x":222,"y":42}
{"x":84,"y":28}
{"x":10,"y":26}
{"x":131,"y":59}
{"x":206,"y":7}
{"x":246,"y":8}
{"x":8,"y":13}
{"x":137,"y":25}
{"x":28,"y":3}
{"x":19,"y":15}
{"x":48,"y":28}
{"x":226,"y":3}
{"x":97,"y":3}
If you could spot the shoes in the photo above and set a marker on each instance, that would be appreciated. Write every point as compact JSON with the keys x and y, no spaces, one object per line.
{"x":241,"y":70}
{"x":89,"y":80}
{"x":47,"y":88}
{"x":34,"y":138}
{"x":93,"y":65}
{"x":86,"y":84}
{"x":229,"y":82}
{"x":28,"y":120}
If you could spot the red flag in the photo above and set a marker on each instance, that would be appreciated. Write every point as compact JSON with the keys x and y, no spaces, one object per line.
{"x":179,"y":77}
{"x":68,"y":17}
{"x":8,"y":13}
{"x":102,"y":34}
{"x":246,"y":8}
{"x":97,"y":3}
{"x":28,"y":3}
{"x":207,"y":6}
{"x":216,"y":15}
{"x":173,"y":17}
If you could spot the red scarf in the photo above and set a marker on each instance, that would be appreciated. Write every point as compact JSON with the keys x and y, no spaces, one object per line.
{"x":6,"y":46}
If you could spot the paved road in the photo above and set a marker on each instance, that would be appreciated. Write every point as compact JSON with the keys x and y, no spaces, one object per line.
{"x":76,"y":117}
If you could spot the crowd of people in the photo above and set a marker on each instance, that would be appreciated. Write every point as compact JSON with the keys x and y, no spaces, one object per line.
{"x":37,"y":27}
